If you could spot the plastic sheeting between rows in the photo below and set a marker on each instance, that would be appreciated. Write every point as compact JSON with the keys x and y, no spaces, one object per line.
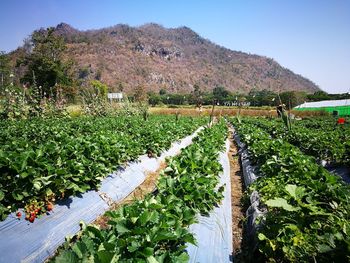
{"x":21,"y":241}
{"x":249,"y":176}
{"x":214,"y":232}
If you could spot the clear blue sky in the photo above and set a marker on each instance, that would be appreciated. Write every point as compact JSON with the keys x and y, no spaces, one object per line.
{"x":310,"y":37}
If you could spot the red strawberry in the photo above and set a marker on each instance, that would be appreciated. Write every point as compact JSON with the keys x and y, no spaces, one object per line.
{"x":31,"y":219}
{"x":18,"y":214}
{"x":49,"y":206}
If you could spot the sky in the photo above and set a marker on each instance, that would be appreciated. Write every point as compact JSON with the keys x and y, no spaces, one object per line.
{"x":310,"y":37}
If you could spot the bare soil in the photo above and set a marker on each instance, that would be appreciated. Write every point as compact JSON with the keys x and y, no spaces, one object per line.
{"x":236,"y":195}
{"x":148,"y":186}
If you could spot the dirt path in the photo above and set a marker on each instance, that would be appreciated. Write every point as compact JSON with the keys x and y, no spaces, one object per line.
{"x":236,"y":195}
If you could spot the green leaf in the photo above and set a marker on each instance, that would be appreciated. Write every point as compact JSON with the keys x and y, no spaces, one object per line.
{"x":134,"y":219}
{"x":37,"y":185}
{"x":121,"y":228}
{"x":107,"y":257}
{"x":164,"y":235}
{"x":148,"y":216}
{"x":296,"y":192}
{"x":134,"y":246}
{"x":148,"y":251}
{"x":94,"y":232}
{"x":168,"y":169}
{"x":17,"y":196}
{"x":48,"y":192}
{"x":23,"y":174}
{"x":67,"y":257}
{"x":145,"y":216}
{"x":152,"y":259}
{"x":79,"y":249}
{"x":89,"y":244}
{"x":323,"y":248}
{"x":261,"y":237}
{"x":291,"y":189}
{"x":183,"y":258}
{"x":282,"y":203}
{"x":2,"y":195}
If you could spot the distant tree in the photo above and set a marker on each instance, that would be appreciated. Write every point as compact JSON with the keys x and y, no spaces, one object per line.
{"x":292,"y":98}
{"x":44,"y":62}
{"x":176,"y":99}
{"x":101,"y":87}
{"x":220,"y":94}
{"x":120,"y":87}
{"x":154,"y":99}
{"x":140,"y":94}
{"x":318,"y":96}
{"x":197,"y":95}
{"x":262,"y":97}
{"x":5,"y":70}
{"x":253,"y":97}
{"x":208,"y":98}
{"x":162,"y":92}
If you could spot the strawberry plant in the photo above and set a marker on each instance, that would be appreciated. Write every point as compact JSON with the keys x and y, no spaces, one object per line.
{"x":308,"y":208}
{"x":44,"y":158}
{"x":155,"y":229}
{"x":326,"y":143}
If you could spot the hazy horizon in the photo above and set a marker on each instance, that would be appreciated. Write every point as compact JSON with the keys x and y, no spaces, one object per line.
{"x":311,"y":38}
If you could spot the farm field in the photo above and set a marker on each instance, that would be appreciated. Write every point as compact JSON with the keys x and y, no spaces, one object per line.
{"x":155,"y":229}
{"x":321,"y":138}
{"x":298,"y":211}
{"x":42,"y":160}
{"x":175,"y":132}
{"x":305,"y":209}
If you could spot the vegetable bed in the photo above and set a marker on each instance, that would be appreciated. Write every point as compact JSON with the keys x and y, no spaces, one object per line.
{"x":156,"y":229}
{"x":320,"y":138}
{"x":308,"y":209}
{"x":46,"y":159}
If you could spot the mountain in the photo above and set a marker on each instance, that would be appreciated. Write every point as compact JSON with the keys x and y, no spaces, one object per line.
{"x":173,"y":59}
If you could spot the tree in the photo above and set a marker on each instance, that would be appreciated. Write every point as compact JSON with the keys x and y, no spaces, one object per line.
{"x":197,"y":95}
{"x":292,"y":98}
{"x":120,"y":87}
{"x":262,"y":97}
{"x":101,"y":87}
{"x":4,"y":70}
{"x":45,"y":64}
{"x":220,"y":94}
{"x":140,"y":94}
{"x":162,"y":92}
{"x":154,"y":99}
{"x":318,"y":96}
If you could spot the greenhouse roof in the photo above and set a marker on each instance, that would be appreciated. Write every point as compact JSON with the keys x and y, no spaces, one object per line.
{"x":324,"y":103}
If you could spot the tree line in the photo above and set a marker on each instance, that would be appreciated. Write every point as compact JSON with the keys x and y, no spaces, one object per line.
{"x":255,"y":98}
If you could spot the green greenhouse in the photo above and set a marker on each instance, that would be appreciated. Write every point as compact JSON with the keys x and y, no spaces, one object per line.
{"x":335,"y":107}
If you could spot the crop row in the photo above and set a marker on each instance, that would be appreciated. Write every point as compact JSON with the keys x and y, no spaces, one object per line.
{"x":41,"y":160}
{"x":155,"y":229}
{"x":329,"y":142}
{"x":308,"y":209}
